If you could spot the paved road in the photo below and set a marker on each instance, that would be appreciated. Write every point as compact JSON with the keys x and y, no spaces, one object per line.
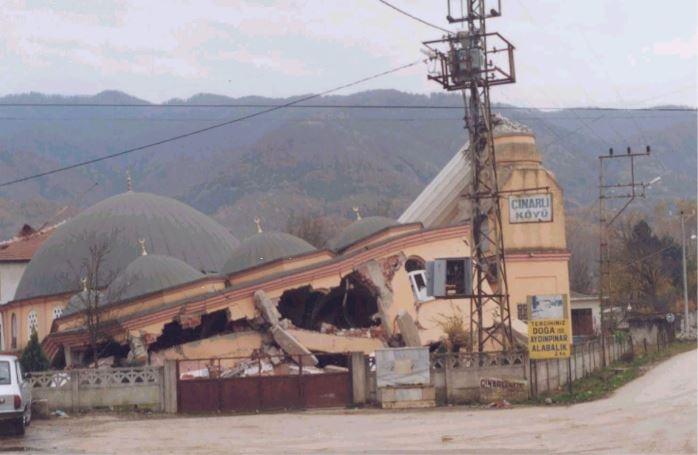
{"x":654,"y":414}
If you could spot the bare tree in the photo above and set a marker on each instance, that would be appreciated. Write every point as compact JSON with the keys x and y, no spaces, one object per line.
{"x":95,"y":276}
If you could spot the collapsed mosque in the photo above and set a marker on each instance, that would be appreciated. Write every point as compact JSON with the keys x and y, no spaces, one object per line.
{"x":168,"y":282}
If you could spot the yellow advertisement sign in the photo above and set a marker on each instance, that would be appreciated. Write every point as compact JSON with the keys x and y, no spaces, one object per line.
{"x":549,"y":328}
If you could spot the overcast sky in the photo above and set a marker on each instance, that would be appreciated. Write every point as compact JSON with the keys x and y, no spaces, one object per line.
{"x":574,"y":52}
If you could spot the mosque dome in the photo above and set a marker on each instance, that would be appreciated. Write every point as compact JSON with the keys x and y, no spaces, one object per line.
{"x":358,"y":230}
{"x":168,"y":227}
{"x":79,"y":301}
{"x":265,"y":247}
{"x":150,"y":273}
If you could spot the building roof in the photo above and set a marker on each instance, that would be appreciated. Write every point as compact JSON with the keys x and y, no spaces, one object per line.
{"x":168,"y":227}
{"x":22,"y":247}
{"x":358,"y":230}
{"x":150,"y":273}
{"x":439,"y":202}
{"x":265,"y":247}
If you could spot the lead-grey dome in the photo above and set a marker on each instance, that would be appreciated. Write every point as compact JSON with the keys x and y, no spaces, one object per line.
{"x":358,"y":230}
{"x":150,"y":273}
{"x":265,"y":247}
{"x":82,"y":300}
{"x":168,"y":226}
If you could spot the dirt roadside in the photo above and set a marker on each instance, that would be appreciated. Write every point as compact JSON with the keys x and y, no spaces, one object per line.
{"x":654,"y":414}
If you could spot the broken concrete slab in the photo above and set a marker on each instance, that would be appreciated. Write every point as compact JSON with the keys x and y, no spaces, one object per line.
{"x":337,"y":344}
{"x":378,"y":275}
{"x":292,"y":346}
{"x":408,"y":329}
{"x":231,"y":345}
{"x":267,"y":308}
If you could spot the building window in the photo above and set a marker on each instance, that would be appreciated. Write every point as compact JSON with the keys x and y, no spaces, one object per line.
{"x":450,"y":277}
{"x":522,"y":311}
{"x":13,"y":331}
{"x":32,"y":322}
{"x":418,"y":281}
{"x":57,"y":312}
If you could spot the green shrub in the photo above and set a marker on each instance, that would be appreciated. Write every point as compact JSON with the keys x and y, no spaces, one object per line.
{"x":33,"y":357}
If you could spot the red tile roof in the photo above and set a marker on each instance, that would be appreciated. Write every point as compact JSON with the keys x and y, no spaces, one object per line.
{"x":23,"y":247}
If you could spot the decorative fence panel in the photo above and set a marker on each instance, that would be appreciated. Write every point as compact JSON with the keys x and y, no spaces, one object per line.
{"x":100,"y":388}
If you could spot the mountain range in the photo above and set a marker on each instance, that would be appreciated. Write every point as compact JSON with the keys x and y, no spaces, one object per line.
{"x":318,"y":161}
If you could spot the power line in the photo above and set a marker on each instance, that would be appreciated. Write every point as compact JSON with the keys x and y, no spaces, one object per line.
{"x":209,"y":128}
{"x":415,"y":17}
{"x":296,"y":105}
{"x":304,"y":119}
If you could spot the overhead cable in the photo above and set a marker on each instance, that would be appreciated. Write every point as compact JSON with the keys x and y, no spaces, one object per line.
{"x":203,"y":130}
{"x":411,"y":16}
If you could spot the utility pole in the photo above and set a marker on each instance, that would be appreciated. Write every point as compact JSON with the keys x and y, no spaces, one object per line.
{"x":685,"y":284}
{"x":630,"y":191}
{"x":470,"y":61}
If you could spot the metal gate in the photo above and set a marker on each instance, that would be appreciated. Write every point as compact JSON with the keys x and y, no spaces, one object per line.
{"x":259,"y":392}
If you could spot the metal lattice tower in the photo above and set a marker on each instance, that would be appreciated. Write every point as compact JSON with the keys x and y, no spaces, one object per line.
{"x":471,"y":61}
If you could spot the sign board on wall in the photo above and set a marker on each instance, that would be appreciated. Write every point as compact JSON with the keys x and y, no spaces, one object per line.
{"x":531,"y":208}
{"x":549,"y":328}
{"x":402,"y":366}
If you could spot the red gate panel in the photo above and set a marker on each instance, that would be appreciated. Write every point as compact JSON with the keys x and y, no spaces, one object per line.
{"x":240,"y":394}
{"x":327,"y":390}
{"x":263,"y":393}
{"x":280,"y":392}
{"x":198,"y":395}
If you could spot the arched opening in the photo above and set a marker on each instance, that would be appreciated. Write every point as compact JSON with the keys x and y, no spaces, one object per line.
{"x":414,"y":263}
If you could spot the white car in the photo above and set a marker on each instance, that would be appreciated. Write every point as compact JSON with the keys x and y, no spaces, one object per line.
{"x":15,"y":395}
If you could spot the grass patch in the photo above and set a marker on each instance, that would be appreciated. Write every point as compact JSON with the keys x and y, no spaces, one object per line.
{"x":602,"y":382}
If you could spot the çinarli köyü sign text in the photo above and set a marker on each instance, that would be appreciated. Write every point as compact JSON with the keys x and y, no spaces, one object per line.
{"x":532,"y":208}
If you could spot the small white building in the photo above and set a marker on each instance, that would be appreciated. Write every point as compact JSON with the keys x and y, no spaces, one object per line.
{"x":586,"y":315}
{"x":15,"y":254}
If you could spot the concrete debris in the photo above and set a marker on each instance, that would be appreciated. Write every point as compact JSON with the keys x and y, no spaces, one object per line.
{"x":249,"y":368}
{"x":499,"y":404}
{"x":408,"y":329}
{"x":267,"y":308}
{"x":292,"y":346}
{"x":276,"y":355}
{"x":295,"y":369}
{"x":286,"y":324}
{"x":139,"y":351}
{"x":337,"y":344}
{"x":379,"y":276}
{"x":59,"y":413}
{"x":105,"y":362}
{"x":195,"y":374}
{"x":326,"y":327}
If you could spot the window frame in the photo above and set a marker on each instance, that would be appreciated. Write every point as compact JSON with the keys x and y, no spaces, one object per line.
{"x":32,"y":326}
{"x":420,"y":295}
{"x":13,"y":331}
